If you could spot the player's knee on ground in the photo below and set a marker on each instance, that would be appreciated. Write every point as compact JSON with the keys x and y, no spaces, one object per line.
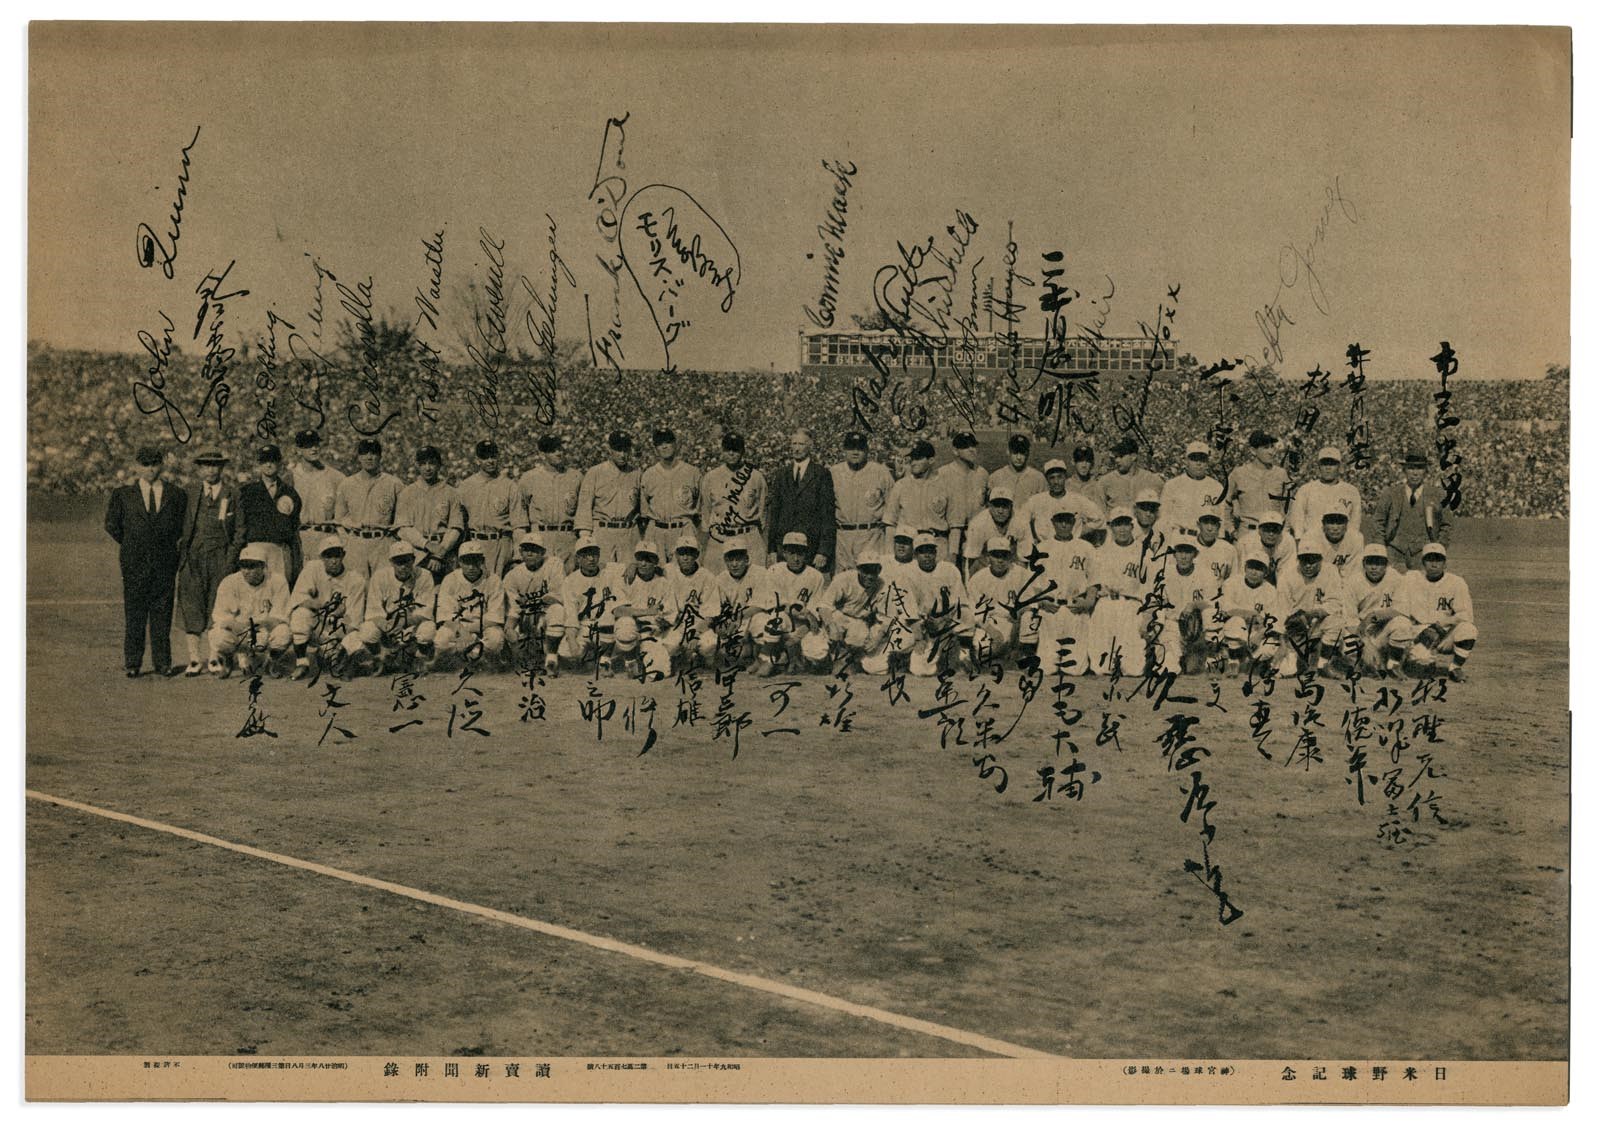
{"x":625,"y":634}
{"x":370,"y":633}
{"x":426,"y":633}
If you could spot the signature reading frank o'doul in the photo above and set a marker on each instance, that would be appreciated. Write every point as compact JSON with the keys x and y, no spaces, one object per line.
{"x":148,"y":246}
{"x":1297,"y":266}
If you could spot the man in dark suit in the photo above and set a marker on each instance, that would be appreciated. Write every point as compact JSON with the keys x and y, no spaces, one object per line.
{"x":208,"y":550}
{"x":269,"y":512}
{"x":145,"y":518}
{"x":803,"y":502}
{"x":1410,"y":515}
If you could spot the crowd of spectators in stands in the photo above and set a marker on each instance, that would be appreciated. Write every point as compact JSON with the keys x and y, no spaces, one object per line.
{"x":1513,"y":436}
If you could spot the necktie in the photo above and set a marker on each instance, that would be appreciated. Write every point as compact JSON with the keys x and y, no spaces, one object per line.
{"x":1413,"y":496}
{"x":149,"y":507}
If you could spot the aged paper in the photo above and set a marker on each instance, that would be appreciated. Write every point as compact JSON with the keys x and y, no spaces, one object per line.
{"x":471,"y":651}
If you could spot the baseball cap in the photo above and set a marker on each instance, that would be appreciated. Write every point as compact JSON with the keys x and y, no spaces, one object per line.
{"x":796,"y":540}
{"x":212,"y":457}
{"x":871,"y":560}
{"x":1434,"y":549}
{"x":687,"y":544}
{"x":1001,"y":494}
{"x":1125,"y":446}
{"x":662,"y":435}
{"x":963,"y":440}
{"x":1066,"y":507}
{"x":1019,"y":444}
{"x":619,"y":441}
{"x":998,"y":545}
{"x":921,"y":449}
{"x":647,"y":549}
{"x":331,"y":541}
{"x":1089,"y":511}
{"x":855,"y":441}
{"x":1208,"y":513}
{"x":1184,"y":538}
{"x":925,"y":540}
{"x":529,"y":538}
{"x":367,"y":447}
{"x":906,"y":533}
{"x":733,"y":551}
{"x":1260,"y":439}
{"x":586,"y":542}
{"x":267,"y":453}
{"x":1329,"y":455}
{"x":306,"y":438}
{"x":401,"y":550}
{"x":1055,"y":464}
{"x":1335,"y":515}
{"x":1120,"y":513}
{"x":256,"y":551}
{"x":1270,"y":519}
{"x":732,"y":442}
{"x":1083,"y":454}
{"x":549,"y":443}
{"x":471,"y":549}
{"x":487,"y":449}
{"x":430,"y":455}
{"x":1307,"y":552}
{"x":1256,"y":555}
{"x":1415,"y":459}
{"x":1147,"y":497}
{"x":1375,"y":552}
{"x":1197,"y":449}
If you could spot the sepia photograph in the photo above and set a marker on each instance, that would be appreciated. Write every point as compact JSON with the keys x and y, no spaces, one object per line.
{"x":867,"y":563}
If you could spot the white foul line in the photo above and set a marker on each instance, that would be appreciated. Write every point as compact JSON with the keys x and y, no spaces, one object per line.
{"x":593,"y":940}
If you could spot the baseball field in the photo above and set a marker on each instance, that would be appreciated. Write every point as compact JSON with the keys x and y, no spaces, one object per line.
{"x":865,"y":892}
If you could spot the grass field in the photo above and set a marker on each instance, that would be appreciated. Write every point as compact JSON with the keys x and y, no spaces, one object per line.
{"x":872,"y":866}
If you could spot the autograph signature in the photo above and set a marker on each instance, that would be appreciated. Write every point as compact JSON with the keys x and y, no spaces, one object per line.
{"x":1297,"y":266}
{"x":148,"y":245}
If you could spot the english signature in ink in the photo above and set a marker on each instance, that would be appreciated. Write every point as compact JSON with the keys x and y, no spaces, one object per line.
{"x":150,"y":248}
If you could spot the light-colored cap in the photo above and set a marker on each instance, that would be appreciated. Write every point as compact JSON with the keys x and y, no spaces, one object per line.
{"x":1255,"y":554}
{"x":905,"y":532}
{"x":1307,"y":551}
{"x":647,"y":549}
{"x":255,"y":551}
{"x":1185,"y":538}
{"x":997,"y":545}
{"x":1055,"y":464}
{"x":1375,"y":552}
{"x":925,"y":541}
{"x":1209,"y":512}
{"x":1065,"y":506}
{"x":586,"y":542}
{"x":873,"y":559}
{"x":1335,"y":513}
{"x":1269,"y":518}
{"x":1434,"y":549}
{"x":1198,"y":447}
{"x":796,"y":540}
{"x":1120,"y":513}
{"x":529,"y":538}
{"x":331,"y":541}
{"x":402,"y":550}
{"x":1329,"y":455}
{"x":688,"y":541}
{"x":1147,"y":497}
{"x":471,"y":549}
{"x":1002,"y":494}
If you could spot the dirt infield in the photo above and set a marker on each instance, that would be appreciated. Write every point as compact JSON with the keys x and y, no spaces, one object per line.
{"x":871,"y":865}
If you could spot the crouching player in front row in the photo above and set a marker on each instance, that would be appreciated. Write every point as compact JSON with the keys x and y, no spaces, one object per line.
{"x":641,"y":617}
{"x":944,"y":627}
{"x":535,"y":616}
{"x":855,"y":614}
{"x":1318,"y":618}
{"x":398,"y":628}
{"x":1252,"y":619}
{"x":327,"y":605}
{"x":250,"y":619}
{"x":784,"y":616}
{"x":696,"y":606}
{"x":1442,"y":607}
{"x":1385,"y":630}
{"x":1185,"y":630}
{"x":588,"y":594}
{"x":996,"y":594}
{"x":471,"y":615}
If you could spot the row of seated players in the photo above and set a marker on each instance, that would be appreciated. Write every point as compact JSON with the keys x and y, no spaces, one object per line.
{"x":1126,"y":596}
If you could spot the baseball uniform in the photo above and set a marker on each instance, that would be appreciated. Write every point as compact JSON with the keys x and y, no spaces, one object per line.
{"x":859,"y":498}
{"x":364,"y":505}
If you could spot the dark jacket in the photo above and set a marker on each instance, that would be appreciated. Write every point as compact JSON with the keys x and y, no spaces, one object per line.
{"x":148,"y":543}
{"x":233,"y":525}
{"x":1406,"y":527}
{"x":260,"y":520}
{"x":806,"y":506}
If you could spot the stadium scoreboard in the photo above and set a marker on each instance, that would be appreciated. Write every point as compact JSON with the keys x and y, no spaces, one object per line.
{"x":985,"y":354}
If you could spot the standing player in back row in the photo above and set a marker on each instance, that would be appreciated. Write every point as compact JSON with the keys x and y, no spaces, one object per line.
{"x":608,"y":502}
{"x":1185,"y":495}
{"x":1258,"y":486}
{"x":921,"y":500}
{"x":1325,"y":492}
{"x":318,"y":487}
{"x":493,"y":506}
{"x":966,"y":483}
{"x":1022,"y":480}
{"x":860,"y":493}
{"x":669,"y":492}
{"x":365,"y":505}
{"x":549,"y":493}
{"x":1121,"y":486}
{"x":734,"y":496}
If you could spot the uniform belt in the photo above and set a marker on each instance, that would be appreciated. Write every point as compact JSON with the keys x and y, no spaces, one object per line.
{"x":670,"y":524}
{"x":857,"y":528}
{"x":934,"y":532}
{"x":558,"y":527}
{"x":489,"y":534}
{"x":606,"y":524}
{"x":369,"y":534}
{"x":733,"y":531}
{"x":319,"y":526}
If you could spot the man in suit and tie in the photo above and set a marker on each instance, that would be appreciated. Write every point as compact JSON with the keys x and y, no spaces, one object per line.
{"x":1410,"y":515}
{"x":209,"y":546}
{"x":803,"y":502}
{"x":145,"y":519}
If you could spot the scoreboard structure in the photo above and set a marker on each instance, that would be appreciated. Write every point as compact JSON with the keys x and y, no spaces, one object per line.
{"x":990,"y":354}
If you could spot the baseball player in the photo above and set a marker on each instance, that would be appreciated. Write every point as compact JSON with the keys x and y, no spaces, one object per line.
{"x":608,"y":501}
{"x":399,"y":622}
{"x":535,"y":615}
{"x":588,"y":595}
{"x":364,"y":505}
{"x":1017,"y":476}
{"x":1120,"y":573}
{"x":854,"y":612}
{"x":1082,"y":479}
{"x":1215,"y":557}
{"x":1188,"y":620}
{"x":669,"y":491}
{"x":901,"y":562}
{"x":318,"y":487}
{"x":964,"y":484}
{"x":1442,"y":607}
{"x":328,"y":603}
{"x":1258,"y":486}
{"x":251,"y":615}
{"x":207,"y":548}
{"x":1280,"y":548}
{"x":996,"y":520}
{"x":1067,"y":633}
{"x":1318,"y":617}
{"x":922,"y":499}
{"x":785,"y":594}
{"x":1040,"y":510}
{"x":269,"y":514}
{"x":696,"y":602}
{"x":550,"y":500}
{"x":1148,"y":526}
{"x":429,"y":517}
{"x":1252,"y":618}
{"x":735,"y":499}
{"x":1127,"y":480}
{"x":738,"y":586}
{"x":492,"y":506}
{"x":470,"y":609}
{"x":995,"y":592}
{"x":1325,"y":492}
{"x":1091,"y":526}
{"x":1185,"y":495}
{"x":860,"y":495}
{"x":945,"y":626}
{"x":1385,"y":630}
{"x":1339,"y":544}
{"x":641,"y":617}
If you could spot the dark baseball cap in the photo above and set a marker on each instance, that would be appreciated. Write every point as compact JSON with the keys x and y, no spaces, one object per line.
{"x":1019,"y":444}
{"x":1083,"y":454}
{"x":662,"y":435}
{"x":855,"y":441}
{"x":487,"y":449}
{"x":307,"y":438}
{"x":1124,"y":446}
{"x":549,"y":443}
{"x":269,"y":453}
{"x":369,"y":447}
{"x":150,"y":455}
{"x":620,"y":441}
{"x":1260,"y":439}
{"x":963,"y":440}
{"x":732,"y":442}
{"x":430,"y":455}
{"x":922,"y":449}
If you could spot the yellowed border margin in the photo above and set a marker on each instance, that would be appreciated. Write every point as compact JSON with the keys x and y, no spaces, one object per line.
{"x":1029,"y":1082}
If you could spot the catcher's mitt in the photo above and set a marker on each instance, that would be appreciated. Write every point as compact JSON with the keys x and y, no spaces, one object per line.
{"x":1191,"y":626}
{"x":1297,"y":628}
{"x":1429,"y":637}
